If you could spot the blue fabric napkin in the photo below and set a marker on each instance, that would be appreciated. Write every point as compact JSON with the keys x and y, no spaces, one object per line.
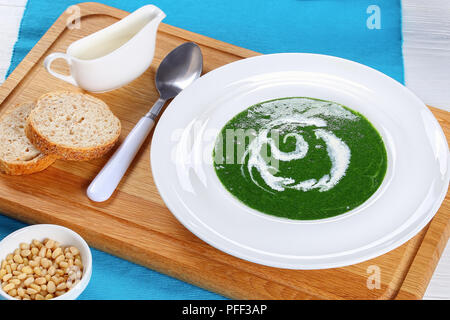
{"x":333,"y":27}
{"x":344,"y":28}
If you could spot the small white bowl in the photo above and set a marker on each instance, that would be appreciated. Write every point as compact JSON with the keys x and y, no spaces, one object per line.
{"x":61,"y":234}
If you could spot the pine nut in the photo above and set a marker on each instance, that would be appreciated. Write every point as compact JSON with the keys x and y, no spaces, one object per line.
{"x":37,"y":244}
{"x":40,"y":281}
{"x":61,"y":286}
{"x":17,"y":258}
{"x":27,"y":269}
{"x":21,"y":292}
{"x":31,"y":291}
{"x":24,"y":246}
{"x":25,"y":253}
{"x":42,"y":252}
{"x":22,"y":276}
{"x":34,"y":251}
{"x":49,"y":244}
{"x":6,"y":277}
{"x":74,"y":251}
{"x":37,"y":271}
{"x":28,"y":281}
{"x":8,"y":287}
{"x":59,"y":259}
{"x":35,"y":287}
{"x":56,"y":253}
{"x":49,"y":296}
{"x":45,"y":263}
{"x":51,"y":270}
{"x":51,"y":288}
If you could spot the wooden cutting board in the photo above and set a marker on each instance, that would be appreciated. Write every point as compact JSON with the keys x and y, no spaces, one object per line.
{"x":136,"y":225}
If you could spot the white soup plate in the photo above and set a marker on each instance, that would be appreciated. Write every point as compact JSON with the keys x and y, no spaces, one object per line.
{"x":415,"y":185}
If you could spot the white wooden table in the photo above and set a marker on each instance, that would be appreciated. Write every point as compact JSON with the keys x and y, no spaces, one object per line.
{"x":426,"y":50}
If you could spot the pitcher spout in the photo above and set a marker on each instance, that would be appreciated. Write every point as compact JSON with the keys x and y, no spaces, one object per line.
{"x":154,"y":14}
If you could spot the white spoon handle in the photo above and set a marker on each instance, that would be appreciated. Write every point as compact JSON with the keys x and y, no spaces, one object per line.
{"x":104,"y":184}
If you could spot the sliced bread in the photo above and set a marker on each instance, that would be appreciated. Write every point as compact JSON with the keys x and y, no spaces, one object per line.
{"x":72,"y":126}
{"x":17,"y":154}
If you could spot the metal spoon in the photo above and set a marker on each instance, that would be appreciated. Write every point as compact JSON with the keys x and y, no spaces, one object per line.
{"x":180,"y":68}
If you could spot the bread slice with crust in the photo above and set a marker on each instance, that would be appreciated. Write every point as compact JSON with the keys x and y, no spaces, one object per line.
{"x":72,"y":126}
{"x":17,"y":154}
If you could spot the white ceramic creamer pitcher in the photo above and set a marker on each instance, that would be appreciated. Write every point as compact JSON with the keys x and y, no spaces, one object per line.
{"x":114,"y":56}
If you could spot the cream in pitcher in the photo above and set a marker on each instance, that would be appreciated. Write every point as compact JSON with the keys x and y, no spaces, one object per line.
{"x":114,"y":56}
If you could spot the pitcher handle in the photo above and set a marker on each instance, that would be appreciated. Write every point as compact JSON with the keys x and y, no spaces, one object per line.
{"x":59,"y":55}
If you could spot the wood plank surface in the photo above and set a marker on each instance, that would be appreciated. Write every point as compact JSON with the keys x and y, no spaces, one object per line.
{"x":135,"y":224}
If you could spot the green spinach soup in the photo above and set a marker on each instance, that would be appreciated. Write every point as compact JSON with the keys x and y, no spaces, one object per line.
{"x":300,"y":158}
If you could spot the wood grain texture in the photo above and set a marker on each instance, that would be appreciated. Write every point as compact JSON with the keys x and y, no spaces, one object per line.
{"x":135,"y":224}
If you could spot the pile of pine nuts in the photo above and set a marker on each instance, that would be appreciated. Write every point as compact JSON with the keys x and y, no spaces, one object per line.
{"x":41,"y":270}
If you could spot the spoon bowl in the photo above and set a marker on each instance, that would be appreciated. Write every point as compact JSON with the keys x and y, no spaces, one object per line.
{"x":179,"y":68}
